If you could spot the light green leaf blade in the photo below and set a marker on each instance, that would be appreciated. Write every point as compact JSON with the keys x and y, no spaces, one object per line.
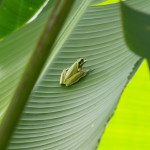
{"x":129,"y":128}
{"x":59,"y":117}
{"x":107,"y":2}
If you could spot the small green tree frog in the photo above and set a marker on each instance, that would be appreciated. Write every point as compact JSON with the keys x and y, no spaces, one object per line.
{"x":73,"y":74}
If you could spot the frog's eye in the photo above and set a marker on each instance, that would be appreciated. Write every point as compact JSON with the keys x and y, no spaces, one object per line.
{"x":81,"y":62}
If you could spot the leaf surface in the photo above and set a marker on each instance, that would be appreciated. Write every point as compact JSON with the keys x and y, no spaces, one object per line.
{"x":70,"y":118}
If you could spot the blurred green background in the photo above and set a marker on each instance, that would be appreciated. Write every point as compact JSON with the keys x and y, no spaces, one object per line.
{"x":129,"y":128}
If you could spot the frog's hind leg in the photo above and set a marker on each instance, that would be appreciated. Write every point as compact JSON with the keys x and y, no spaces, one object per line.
{"x":63,"y":75}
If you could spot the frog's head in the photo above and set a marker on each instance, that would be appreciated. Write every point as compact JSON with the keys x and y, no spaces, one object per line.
{"x":80,"y":62}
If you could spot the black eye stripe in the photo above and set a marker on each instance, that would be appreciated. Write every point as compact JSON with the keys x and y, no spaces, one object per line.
{"x":81,"y":62}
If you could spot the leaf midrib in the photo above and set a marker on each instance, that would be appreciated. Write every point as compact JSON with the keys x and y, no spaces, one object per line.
{"x":68,"y":27}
